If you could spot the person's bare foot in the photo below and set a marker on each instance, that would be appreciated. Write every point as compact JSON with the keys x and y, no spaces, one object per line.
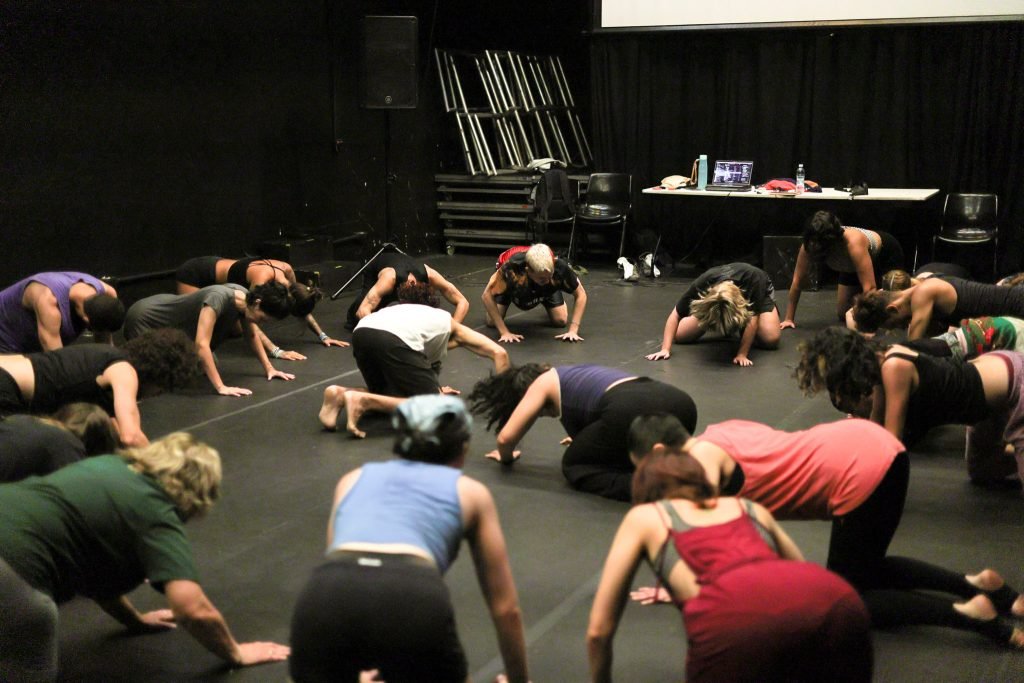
{"x":979,"y":607}
{"x":334,"y":401}
{"x":991,"y":581}
{"x":355,"y":406}
{"x":986,"y":580}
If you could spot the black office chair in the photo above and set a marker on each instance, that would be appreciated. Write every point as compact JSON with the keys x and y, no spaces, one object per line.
{"x":970,"y":219}
{"x":608,"y":201}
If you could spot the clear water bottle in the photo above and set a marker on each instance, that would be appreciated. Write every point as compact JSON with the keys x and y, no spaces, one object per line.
{"x":800,"y":179}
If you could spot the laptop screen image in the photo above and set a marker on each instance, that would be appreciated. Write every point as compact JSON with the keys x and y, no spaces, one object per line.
{"x":733,"y":172}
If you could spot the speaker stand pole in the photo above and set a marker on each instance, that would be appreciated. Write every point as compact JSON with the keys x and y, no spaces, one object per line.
{"x":387,"y":176}
{"x":388,"y":179}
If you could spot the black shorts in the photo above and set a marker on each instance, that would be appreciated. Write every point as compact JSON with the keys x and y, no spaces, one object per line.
{"x":11,"y":400}
{"x":889,"y":257}
{"x":390,"y":367}
{"x":524,"y":299}
{"x":200,"y":271}
{"x":382,"y":611}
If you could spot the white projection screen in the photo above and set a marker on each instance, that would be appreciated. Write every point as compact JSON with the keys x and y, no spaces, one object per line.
{"x":647,"y":15}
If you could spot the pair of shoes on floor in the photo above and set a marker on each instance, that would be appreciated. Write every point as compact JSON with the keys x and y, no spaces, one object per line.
{"x":629,"y":270}
{"x":647,"y":265}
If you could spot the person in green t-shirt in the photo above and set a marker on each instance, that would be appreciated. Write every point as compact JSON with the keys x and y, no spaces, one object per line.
{"x":99,"y":528}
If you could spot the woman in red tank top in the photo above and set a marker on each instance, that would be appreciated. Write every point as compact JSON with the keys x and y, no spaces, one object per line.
{"x":752,"y":612}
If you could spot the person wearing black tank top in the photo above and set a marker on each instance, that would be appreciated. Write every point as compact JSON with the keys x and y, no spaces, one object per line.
{"x":386,"y":273}
{"x":934,"y":305}
{"x":250,"y":272}
{"x":910,"y":393}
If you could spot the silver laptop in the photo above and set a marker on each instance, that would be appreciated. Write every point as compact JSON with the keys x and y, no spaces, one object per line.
{"x":732,"y":176}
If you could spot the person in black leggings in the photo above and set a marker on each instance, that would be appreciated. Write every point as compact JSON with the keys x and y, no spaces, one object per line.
{"x":856,"y":474}
{"x":934,"y":305}
{"x":595,"y":405}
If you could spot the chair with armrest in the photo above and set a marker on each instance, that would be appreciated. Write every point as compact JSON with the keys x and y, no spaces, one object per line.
{"x":608,"y":202}
{"x":970,"y":219}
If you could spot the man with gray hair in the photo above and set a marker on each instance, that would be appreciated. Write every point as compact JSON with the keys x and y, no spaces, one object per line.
{"x":527,"y":276}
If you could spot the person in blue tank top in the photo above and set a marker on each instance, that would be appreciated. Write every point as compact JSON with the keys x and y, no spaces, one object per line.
{"x":379,"y":602}
{"x":595,"y":404}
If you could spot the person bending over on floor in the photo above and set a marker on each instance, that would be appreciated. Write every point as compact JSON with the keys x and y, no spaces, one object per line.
{"x":380,"y":601}
{"x":734,"y":299}
{"x":860,"y":257}
{"x":854,"y":473}
{"x":934,"y":305}
{"x":209,"y":316}
{"x":973,"y":337}
{"x":897,"y":280}
{"x":910,"y":393}
{"x":250,"y":272}
{"x":34,"y":446}
{"x":526,"y":277}
{"x":595,"y":405}
{"x":40,"y":383}
{"x":754,"y":610}
{"x":399,"y":350}
{"x":49,"y":310}
{"x":386,"y":273}
{"x":100,"y":528}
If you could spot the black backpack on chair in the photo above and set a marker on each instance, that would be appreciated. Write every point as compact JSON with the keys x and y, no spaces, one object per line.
{"x":553,"y":202}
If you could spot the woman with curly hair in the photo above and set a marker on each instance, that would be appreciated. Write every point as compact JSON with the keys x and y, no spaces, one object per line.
{"x":40,"y":383}
{"x":253,"y":271}
{"x":100,"y":528}
{"x":380,"y":601}
{"x":860,"y":256}
{"x":910,"y":393}
{"x":754,"y":610}
{"x":595,"y":405}
{"x":934,"y":305}
{"x":734,"y":299}
{"x":209,"y":316}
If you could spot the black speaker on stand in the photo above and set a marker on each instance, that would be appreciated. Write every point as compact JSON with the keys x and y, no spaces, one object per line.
{"x":388,"y":63}
{"x":388,"y":70}
{"x":388,"y":79}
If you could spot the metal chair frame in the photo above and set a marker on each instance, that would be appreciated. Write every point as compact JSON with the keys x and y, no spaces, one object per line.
{"x":523,"y":98}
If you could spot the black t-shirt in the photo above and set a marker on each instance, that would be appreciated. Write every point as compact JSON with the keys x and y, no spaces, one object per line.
{"x":69,"y":374}
{"x":31,"y":447}
{"x":402,"y":264}
{"x":755,"y":284}
{"x":525,"y":292}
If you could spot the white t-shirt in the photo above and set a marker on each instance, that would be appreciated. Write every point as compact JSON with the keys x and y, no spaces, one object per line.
{"x":422,"y":328}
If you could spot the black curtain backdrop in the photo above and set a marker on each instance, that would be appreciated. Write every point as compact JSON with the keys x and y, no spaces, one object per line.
{"x":898,"y":107}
